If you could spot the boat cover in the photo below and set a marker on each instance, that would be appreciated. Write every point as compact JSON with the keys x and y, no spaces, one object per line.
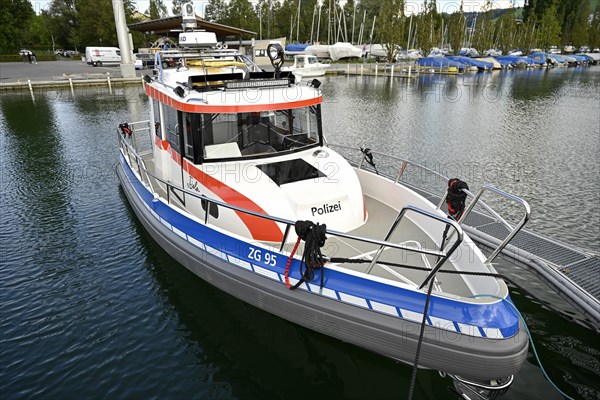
{"x":296,"y":47}
{"x":557,"y":58}
{"x":579,"y":58}
{"x":472,"y":61}
{"x":516,"y":60}
{"x":495,"y":63}
{"x":440,"y":62}
{"x":319,"y":50}
{"x":344,"y":50}
{"x":538,"y":56}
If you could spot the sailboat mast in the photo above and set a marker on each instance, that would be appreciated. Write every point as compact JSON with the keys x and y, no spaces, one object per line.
{"x":312,"y":25}
{"x":298,"y":23}
{"x":329,"y":22}
{"x":319,"y":24}
{"x":409,"y":32}
{"x":372,"y":30}
{"x":442,"y":30}
{"x":415,"y":35}
{"x":345,"y":26}
{"x":353,"y":20}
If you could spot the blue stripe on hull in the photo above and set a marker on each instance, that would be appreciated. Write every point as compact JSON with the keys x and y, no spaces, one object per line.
{"x":495,"y":320}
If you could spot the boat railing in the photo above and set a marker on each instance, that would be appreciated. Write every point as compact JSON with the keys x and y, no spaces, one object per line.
{"x":134,"y":158}
{"x":430,"y":183}
{"x":446,"y":221}
{"x":140,"y":145}
{"x":442,"y":255}
{"x":513,"y":230}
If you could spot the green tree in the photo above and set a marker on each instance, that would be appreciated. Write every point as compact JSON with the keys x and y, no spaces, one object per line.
{"x":484,"y":31}
{"x":240,"y":14}
{"x":579,"y":34}
{"x":506,"y":33}
{"x":157,"y":9}
{"x":39,"y":31}
{"x":594,"y":28}
{"x":456,"y":29}
{"x":62,"y":21}
{"x":176,"y":7}
{"x":549,"y":29}
{"x":426,"y":25}
{"x":391,"y":26}
{"x":15,"y":19}
{"x":96,"y":24}
{"x":216,"y":11}
{"x":283,"y":19}
{"x":350,"y":15}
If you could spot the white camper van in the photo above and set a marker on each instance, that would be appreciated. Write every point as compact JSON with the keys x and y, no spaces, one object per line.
{"x":98,"y":56}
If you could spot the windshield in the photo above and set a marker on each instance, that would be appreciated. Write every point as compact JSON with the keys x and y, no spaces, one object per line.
{"x":254,"y":134}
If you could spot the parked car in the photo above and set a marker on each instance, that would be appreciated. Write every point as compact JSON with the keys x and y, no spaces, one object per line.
{"x":144,"y":60}
{"x":59,"y":52}
{"x":71,"y":53}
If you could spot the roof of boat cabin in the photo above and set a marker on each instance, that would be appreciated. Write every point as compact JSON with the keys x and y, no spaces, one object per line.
{"x":236,"y":101}
{"x":171,"y":26}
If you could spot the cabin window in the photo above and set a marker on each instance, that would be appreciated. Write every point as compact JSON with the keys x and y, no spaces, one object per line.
{"x":226,"y":136}
{"x":188,"y":142}
{"x":156,"y":117}
{"x":191,"y":136}
{"x":171,"y":123}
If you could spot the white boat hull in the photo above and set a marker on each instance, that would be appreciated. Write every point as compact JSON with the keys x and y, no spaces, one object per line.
{"x":473,"y":357}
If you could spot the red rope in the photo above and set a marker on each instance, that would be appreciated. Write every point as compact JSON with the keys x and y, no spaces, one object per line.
{"x":289,"y":262}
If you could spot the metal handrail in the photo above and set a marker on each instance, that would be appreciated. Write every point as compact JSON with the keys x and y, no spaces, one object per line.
{"x":475,"y":198}
{"x":289,"y":223}
{"x":129,"y":149}
{"x":442,"y":259}
{"x":514,"y":230}
{"x":399,"y":217}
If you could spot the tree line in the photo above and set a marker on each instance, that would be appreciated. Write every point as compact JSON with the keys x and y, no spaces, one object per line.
{"x":75,"y":24}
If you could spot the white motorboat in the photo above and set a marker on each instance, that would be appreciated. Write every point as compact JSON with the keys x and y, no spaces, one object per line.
{"x":307,"y":66}
{"x":232,"y":176}
{"x":553,"y":50}
{"x":493,"y":53}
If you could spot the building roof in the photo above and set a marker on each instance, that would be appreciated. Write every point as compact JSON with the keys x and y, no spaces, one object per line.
{"x":166,"y":26}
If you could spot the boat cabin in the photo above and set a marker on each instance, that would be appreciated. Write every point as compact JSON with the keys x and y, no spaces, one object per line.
{"x":228,"y":130}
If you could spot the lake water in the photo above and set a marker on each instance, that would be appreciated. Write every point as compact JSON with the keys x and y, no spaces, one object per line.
{"x":92,"y":307}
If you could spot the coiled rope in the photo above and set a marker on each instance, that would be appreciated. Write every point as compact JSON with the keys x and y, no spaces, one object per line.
{"x":312,"y":258}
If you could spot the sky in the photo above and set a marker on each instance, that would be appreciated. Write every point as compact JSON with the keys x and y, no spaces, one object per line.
{"x":411,"y":6}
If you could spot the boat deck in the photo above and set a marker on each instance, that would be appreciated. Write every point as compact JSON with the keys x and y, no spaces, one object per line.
{"x":380,"y":218}
{"x":574,"y":273}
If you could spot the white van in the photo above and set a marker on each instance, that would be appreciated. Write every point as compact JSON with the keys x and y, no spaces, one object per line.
{"x":98,"y":56}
